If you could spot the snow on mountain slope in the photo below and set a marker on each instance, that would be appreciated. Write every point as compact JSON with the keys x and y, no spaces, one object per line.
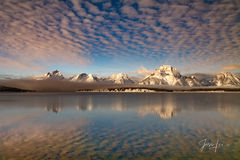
{"x":237,"y":74}
{"x":167,"y":75}
{"x":83,"y":77}
{"x":192,"y":81}
{"x":204,"y":78}
{"x":226,"y":79}
{"x":121,"y":78}
{"x":54,"y":75}
{"x":164,"y":75}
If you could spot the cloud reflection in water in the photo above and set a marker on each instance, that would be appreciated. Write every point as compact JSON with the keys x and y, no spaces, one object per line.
{"x":89,"y":123}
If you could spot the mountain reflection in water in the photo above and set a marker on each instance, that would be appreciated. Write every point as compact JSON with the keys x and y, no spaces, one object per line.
{"x":118,"y":125}
{"x":165,"y":106}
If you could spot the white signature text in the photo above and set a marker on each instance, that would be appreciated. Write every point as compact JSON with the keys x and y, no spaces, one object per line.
{"x":208,"y":145}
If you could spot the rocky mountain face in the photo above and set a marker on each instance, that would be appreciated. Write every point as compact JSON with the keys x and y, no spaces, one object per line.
{"x":83,"y":77}
{"x":226,"y":79}
{"x":121,"y":78}
{"x":192,"y":81}
{"x":238,"y":75}
{"x":165,"y":75}
{"x":54,"y":75}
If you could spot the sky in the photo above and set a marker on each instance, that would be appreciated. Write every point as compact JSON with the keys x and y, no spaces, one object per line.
{"x":110,"y":36}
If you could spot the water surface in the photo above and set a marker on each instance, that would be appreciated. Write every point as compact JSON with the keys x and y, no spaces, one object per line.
{"x":119,"y":126}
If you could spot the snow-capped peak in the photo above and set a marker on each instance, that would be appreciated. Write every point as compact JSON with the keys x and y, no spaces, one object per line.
{"x":84,"y":77}
{"x":169,"y":70}
{"x":78,"y":76}
{"x":226,"y":79}
{"x":121,"y":78}
{"x":54,"y":75}
{"x":164,"y":75}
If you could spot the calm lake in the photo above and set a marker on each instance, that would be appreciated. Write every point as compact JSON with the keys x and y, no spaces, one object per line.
{"x":120,"y":126}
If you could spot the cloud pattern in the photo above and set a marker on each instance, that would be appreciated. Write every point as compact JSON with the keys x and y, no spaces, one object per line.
{"x":231,"y":67}
{"x":194,"y":35}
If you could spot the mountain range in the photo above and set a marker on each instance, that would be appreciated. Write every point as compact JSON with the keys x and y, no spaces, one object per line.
{"x":165,"y":75}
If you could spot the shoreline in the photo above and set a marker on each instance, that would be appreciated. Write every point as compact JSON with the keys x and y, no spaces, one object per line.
{"x":129,"y":89}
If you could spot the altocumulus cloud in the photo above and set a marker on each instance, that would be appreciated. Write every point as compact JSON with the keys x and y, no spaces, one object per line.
{"x":33,"y":36}
{"x":199,"y":34}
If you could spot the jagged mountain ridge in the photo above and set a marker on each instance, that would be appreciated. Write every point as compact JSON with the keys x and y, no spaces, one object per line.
{"x":54,"y":75}
{"x":121,"y":78}
{"x":165,"y":75}
{"x":226,"y":79}
{"x":84,"y":77}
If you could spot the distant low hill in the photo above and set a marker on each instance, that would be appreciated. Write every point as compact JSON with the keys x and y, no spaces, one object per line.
{"x":12,"y":89}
